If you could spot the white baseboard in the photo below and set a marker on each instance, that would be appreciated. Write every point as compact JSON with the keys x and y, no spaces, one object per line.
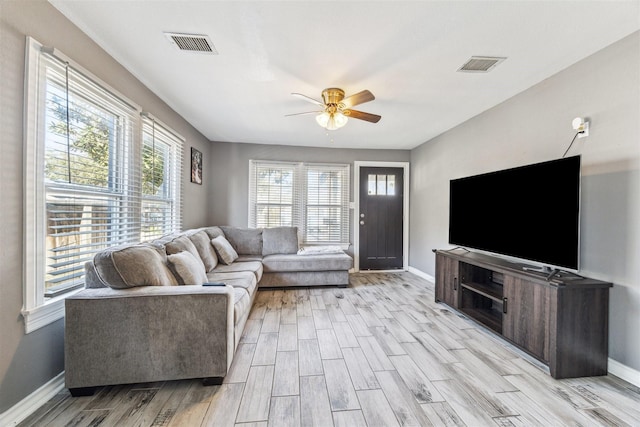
{"x":27,"y":406}
{"x":422,"y":274}
{"x":624,"y":372}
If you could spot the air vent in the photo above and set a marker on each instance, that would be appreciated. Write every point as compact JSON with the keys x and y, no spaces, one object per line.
{"x":480,"y":64}
{"x":192,"y":42}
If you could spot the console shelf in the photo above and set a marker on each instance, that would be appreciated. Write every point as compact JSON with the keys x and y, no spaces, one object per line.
{"x":488,"y":290}
{"x":561,"y":320}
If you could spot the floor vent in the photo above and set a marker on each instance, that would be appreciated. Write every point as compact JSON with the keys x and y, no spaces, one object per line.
{"x":480,"y":64}
{"x":192,"y":42}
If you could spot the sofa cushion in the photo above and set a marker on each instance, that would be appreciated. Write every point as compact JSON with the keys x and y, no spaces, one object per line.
{"x":241,"y":304}
{"x":226,"y":253}
{"x":202,"y":242}
{"x":238,"y":279}
{"x":180,"y":244}
{"x":189,"y":270}
{"x":254,"y":267}
{"x":279,"y":240}
{"x":289,"y":262}
{"x":129,"y":266}
{"x":245,"y":258}
{"x":246,"y":241}
{"x":213,"y":232}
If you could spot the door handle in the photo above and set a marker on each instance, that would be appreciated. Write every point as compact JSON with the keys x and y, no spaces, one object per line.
{"x":504,"y":305}
{"x":455,"y":283}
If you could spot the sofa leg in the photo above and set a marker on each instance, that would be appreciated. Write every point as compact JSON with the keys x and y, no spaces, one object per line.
{"x":209,"y":381}
{"x":82,"y":391}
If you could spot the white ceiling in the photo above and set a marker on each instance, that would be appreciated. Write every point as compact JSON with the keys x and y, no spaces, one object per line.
{"x":406,"y":53}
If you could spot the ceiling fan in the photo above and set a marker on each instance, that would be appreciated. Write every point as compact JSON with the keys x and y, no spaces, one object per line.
{"x":336,"y":109}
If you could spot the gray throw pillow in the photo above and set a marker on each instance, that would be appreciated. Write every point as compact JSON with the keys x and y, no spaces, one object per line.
{"x":181,"y":244}
{"x":226,"y":253}
{"x":140,"y":265}
{"x":189,"y":270}
{"x":202,"y":242}
{"x":279,"y":240}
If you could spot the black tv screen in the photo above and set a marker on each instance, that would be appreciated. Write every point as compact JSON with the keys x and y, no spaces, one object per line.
{"x":529,"y":212}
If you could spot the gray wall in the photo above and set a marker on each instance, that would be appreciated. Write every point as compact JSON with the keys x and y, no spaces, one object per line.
{"x":229,"y":172}
{"x":536,"y":126}
{"x":29,"y":361}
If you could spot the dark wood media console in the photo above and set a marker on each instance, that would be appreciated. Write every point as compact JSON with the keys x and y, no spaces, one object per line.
{"x":560,"y":320}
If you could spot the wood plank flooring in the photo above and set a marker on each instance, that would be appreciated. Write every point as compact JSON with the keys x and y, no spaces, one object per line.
{"x":379,"y":353}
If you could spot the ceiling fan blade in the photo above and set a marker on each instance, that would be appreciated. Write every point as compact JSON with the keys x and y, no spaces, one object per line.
{"x":308,"y":99}
{"x":373,"y":118}
{"x":306,"y":112}
{"x":356,"y":99}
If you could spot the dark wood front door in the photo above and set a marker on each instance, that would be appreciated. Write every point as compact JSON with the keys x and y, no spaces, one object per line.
{"x":380,"y":218}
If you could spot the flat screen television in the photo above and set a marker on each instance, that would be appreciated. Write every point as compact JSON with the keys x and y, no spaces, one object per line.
{"x":529,"y":212}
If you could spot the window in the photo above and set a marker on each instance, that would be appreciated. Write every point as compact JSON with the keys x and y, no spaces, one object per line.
{"x":272,"y":195}
{"x":88,"y":184}
{"x":313,"y":197}
{"x":161,"y":184}
{"x":381,"y":185}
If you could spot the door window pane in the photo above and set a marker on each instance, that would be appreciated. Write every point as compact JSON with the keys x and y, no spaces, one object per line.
{"x":382,"y":185}
{"x":391,"y":185}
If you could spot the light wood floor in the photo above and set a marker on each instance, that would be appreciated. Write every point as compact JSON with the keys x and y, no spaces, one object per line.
{"x":379,"y":353}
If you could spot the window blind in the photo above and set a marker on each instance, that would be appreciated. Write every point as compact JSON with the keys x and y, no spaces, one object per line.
{"x":271,"y":194}
{"x":91,"y":171}
{"x":327,"y":203}
{"x":161,"y":183}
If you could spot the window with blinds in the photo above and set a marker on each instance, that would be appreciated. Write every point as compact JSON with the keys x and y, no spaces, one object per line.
{"x":161,"y":183}
{"x":271,"y":194}
{"x":91,"y":172}
{"x":326,"y":203}
{"x":313,"y":197}
{"x":96,"y":175}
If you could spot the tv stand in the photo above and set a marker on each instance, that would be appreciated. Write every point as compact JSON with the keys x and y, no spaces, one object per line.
{"x":560,"y":319}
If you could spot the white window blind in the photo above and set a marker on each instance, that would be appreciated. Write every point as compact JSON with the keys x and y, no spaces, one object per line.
{"x":161,"y":183}
{"x":91,"y":173}
{"x":327,"y":203}
{"x":312,"y":197}
{"x":271,"y":193}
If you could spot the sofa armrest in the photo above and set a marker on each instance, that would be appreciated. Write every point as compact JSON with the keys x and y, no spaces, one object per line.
{"x":144,"y":334}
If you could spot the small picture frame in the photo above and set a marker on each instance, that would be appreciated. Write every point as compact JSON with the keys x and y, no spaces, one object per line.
{"x":196,"y":166}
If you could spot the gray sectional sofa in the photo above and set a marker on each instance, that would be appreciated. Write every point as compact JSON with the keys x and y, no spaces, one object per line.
{"x":175,"y":308}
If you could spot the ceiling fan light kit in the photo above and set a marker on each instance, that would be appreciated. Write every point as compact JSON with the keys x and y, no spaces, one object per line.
{"x":331,"y":121}
{"x":337,"y":108}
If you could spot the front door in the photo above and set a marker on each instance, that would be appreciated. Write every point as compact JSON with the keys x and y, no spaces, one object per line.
{"x":380,"y":218}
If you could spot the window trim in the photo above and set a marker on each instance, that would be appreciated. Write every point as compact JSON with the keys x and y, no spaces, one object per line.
{"x":38,"y":311}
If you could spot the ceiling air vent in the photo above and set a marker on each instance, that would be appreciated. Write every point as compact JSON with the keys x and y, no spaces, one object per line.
{"x":480,"y":64}
{"x":192,"y":42}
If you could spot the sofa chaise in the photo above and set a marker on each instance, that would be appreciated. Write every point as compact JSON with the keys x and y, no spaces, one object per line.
{"x":175,"y":308}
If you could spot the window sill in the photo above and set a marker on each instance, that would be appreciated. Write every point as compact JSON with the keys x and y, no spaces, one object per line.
{"x":41,"y":316}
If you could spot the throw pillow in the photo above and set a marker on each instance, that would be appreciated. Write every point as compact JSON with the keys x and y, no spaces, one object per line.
{"x":181,"y":244}
{"x":226,"y":253}
{"x":138,"y":265}
{"x":279,"y":240}
{"x":202,"y":242}
{"x":189,"y":270}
